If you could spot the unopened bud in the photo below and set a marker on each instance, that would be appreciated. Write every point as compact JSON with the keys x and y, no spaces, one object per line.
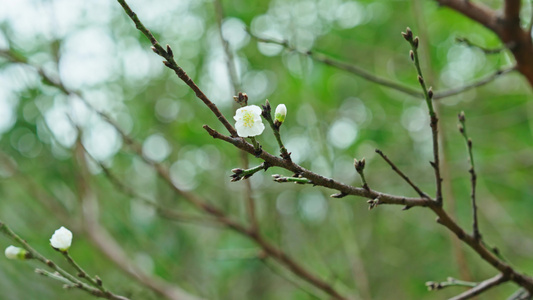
{"x":359,"y":165}
{"x":281,"y":113}
{"x":430,"y":93}
{"x":237,"y":170}
{"x":461,"y":116}
{"x":16,"y":253}
{"x":408,"y":34}
{"x":266,"y":110}
{"x":415,"y":42}
{"x":412,"y":55}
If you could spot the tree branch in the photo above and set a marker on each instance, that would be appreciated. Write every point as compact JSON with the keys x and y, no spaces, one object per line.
{"x":64,"y":274}
{"x":402,"y":175}
{"x":171,"y":63}
{"x":428,"y":95}
{"x":506,"y":25}
{"x":383,"y":81}
{"x":473,"y":175}
{"x":482,"y":287}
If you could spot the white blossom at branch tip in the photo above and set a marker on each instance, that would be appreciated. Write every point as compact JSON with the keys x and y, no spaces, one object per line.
{"x":281,"y":113}
{"x":61,"y":239}
{"x":249,"y":122}
{"x":13,"y":252}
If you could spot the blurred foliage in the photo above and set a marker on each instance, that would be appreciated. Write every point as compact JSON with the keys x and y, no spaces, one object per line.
{"x":333,"y":116}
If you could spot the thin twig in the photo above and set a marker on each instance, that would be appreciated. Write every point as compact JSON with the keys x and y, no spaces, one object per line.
{"x":482,"y":287}
{"x":299,"y":180}
{"x":520,"y":294}
{"x":360,"y":168}
{"x":428,"y":95}
{"x":171,"y":63}
{"x":399,"y":172}
{"x":55,"y":276}
{"x":75,"y":282}
{"x":473,"y":175}
{"x":382,"y":81}
{"x":82,"y":273}
{"x":279,"y":272}
{"x":450,"y":281}
{"x":455,"y":91}
{"x":487,"y":51}
{"x":275,"y":125}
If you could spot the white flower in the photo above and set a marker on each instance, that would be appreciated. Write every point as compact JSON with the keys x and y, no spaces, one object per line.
{"x":249,"y":122}
{"x":281,"y":112}
{"x":61,"y":239}
{"x":13,"y":252}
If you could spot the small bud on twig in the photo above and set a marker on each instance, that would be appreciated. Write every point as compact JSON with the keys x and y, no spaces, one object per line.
{"x":461,"y":128}
{"x":241,"y":99}
{"x":373,"y":203}
{"x":338,"y":195}
{"x":155,"y":50}
{"x":420,"y":79}
{"x":430,"y":92}
{"x":408,"y":34}
{"x":267,"y":110}
{"x":412,"y":55}
{"x":461,"y":116}
{"x":280,"y":114}
{"x":169,"y":51}
{"x":359,"y":165}
{"x":415,"y":42}
{"x":13,"y":252}
{"x":237,"y":170}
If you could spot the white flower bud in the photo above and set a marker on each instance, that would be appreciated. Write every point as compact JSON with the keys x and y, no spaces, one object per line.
{"x":13,"y":252}
{"x":281,"y":112}
{"x":61,"y":239}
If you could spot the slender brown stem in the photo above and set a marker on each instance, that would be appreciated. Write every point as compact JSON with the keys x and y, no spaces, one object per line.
{"x":482,"y":287}
{"x":171,"y":63}
{"x":473,"y":175}
{"x":82,"y":273}
{"x":393,"y":166}
{"x":428,"y":95}
{"x":485,"y":50}
{"x":318,"y":179}
{"x":434,"y":286}
{"x":358,"y":71}
{"x":67,"y":276}
{"x":489,"y":78}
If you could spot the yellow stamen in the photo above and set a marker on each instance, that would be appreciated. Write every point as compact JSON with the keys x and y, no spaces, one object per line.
{"x":248,"y":119}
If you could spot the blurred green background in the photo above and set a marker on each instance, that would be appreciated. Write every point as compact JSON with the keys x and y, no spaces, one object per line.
{"x":333,"y":117}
